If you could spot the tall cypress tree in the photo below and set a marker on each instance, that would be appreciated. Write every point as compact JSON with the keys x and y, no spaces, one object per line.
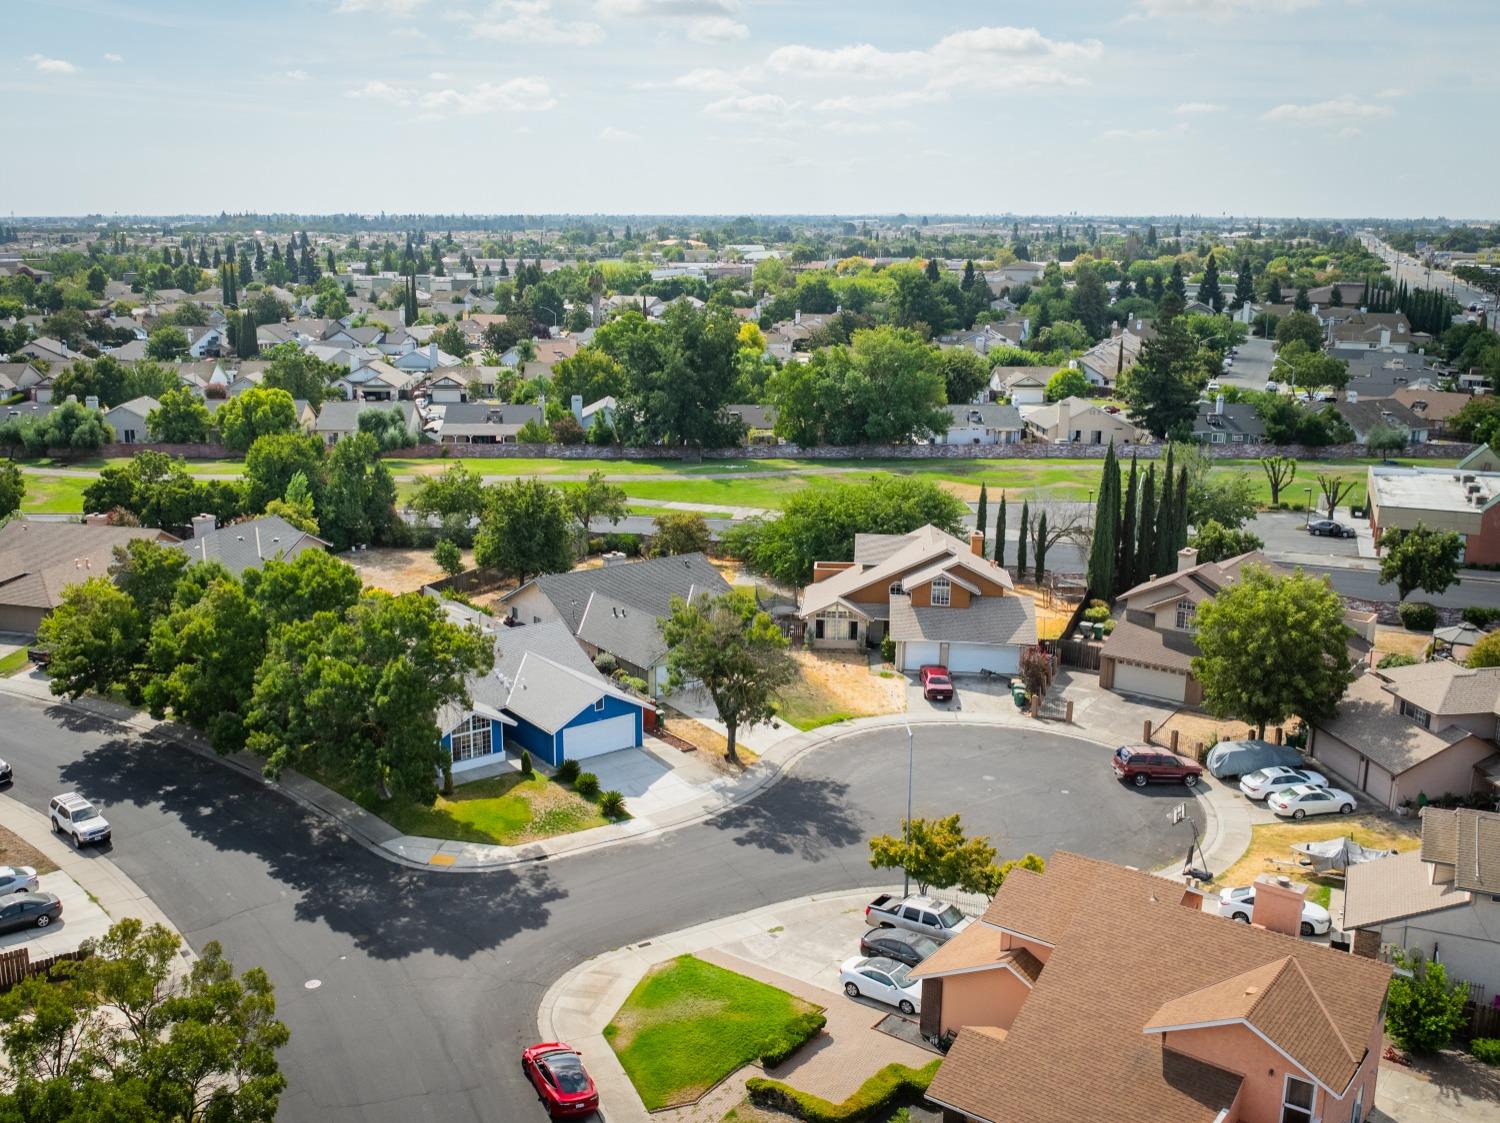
{"x":1244,"y":285}
{"x":248,"y":345}
{"x":1209,"y":292}
{"x":1180,"y":517}
{"x":1021,"y":548}
{"x":1145,"y":549}
{"x":982,"y":516}
{"x":1273,"y":291}
{"x":1000,"y":534}
{"x":1041,"y":548}
{"x":1125,"y":564}
{"x":1101,"y":568}
{"x":1175,"y":284}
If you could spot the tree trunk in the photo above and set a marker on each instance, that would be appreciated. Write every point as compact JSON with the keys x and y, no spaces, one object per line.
{"x":448,"y":775}
{"x":730,"y":728}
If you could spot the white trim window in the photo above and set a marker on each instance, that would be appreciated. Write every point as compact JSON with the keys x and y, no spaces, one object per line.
{"x":1187,"y":615}
{"x":1416,"y":713}
{"x":473,"y":739}
{"x":1297,"y":1100}
{"x":942,"y":592}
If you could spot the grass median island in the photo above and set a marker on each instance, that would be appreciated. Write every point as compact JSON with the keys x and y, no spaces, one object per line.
{"x":689,"y":1024}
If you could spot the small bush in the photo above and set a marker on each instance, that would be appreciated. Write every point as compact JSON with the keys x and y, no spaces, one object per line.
{"x":872,"y":1098}
{"x":887,"y":649}
{"x":1418,"y":616}
{"x":628,"y":544}
{"x":1396,"y":659}
{"x":1423,"y":1012}
{"x":1486,"y":1049}
{"x":605,"y":663}
{"x":791,"y":1037}
{"x":526,"y":769}
{"x":630,"y":682}
{"x":1097,"y":612}
{"x":1480,"y":616}
{"x":587,"y":785}
{"x":568,"y":771}
{"x":612,"y":804}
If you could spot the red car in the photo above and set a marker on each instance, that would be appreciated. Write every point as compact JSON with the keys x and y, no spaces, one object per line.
{"x":936,"y":685}
{"x":562,"y":1083}
{"x":1141,"y":764}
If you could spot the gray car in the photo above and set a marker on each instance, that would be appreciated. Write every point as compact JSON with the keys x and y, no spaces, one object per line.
{"x":29,"y":910}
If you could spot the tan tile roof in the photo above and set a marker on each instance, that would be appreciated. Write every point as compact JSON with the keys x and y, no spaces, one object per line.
{"x":1439,"y":835}
{"x":1392,"y":888}
{"x":1478,"y":864}
{"x":923,"y":548}
{"x":976,"y":948}
{"x":993,"y":620}
{"x":1208,"y":576}
{"x":1446,"y":687}
{"x":1367,"y":721}
{"x":38,"y":560}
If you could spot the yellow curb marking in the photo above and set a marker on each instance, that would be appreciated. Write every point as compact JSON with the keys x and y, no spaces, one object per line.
{"x":440,"y":860}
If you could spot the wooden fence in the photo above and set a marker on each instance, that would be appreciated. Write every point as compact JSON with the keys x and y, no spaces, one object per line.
{"x":18,"y":966}
{"x":1484,"y":1019}
{"x":1074,"y":653}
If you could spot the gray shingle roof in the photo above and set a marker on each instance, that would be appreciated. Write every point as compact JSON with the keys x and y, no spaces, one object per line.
{"x":998,"y":620}
{"x":647,"y":585}
{"x":246,"y":545}
{"x":343,"y":417}
{"x":622,"y":631}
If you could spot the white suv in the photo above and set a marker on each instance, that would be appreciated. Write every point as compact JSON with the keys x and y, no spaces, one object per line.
{"x":75,"y":816}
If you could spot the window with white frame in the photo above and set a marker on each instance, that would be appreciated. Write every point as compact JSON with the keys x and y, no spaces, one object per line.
{"x":942,"y":592}
{"x":1187,"y":616}
{"x":472,"y":739}
{"x":1416,"y":713}
{"x":1297,"y":1101}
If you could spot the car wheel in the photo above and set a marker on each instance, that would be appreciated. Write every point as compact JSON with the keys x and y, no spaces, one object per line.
{"x":1140,"y":780}
{"x":1347,"y":809}
{"x":43,"y":920}
{"x":851,"y":990}
{"x":1241,"y":918}
{"x":1190,"y":779}
{"x":1299,"y":814}
{"x":54,"y":825}
{"x":906,"y":1007}
{"x":1306,"y":929}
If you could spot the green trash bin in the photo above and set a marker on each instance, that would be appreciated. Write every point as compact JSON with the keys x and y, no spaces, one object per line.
{"x":1099,"y":631}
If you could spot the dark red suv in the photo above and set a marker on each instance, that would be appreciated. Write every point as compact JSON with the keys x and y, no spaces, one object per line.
{"x":1143,"y":764}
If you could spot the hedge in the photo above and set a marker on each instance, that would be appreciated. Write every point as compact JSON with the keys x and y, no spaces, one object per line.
{"x":875,"y":1096}
{"x":1486,"y":1049}
{"x":794,"y":1035}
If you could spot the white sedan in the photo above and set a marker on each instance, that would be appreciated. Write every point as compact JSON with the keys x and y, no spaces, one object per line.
{"x":882,"y":979}
{"x":17,"y":879}
{"x":1239,"y":904}
{"x":1305,"y":800}
{"x":1265,"y":781}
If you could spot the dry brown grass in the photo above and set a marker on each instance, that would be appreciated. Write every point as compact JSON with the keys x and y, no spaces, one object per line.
{"x":1270,"y":844}
{"x":840,"y":682}
{"x":1193,"y":727}
{"x":16,"y":851}
{"x":712,"y":745}
{"x":1050,"y":619}
{"x":399,"y":571}
{"x":1392,"y":640}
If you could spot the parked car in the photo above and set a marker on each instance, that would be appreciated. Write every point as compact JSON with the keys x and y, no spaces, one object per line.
{"x":1263,"y":781}
{"x":925,"y":915}
{"x":1305,"y":800}
{"x":562,"y":1083}
{"x":1239,"y":904}
{"x":937,"y":684}
{"x":882,"y":979}
{"x":6,"y":774}
{"x":905,"y":947}
{"x":1145,"y":764}
{"x":1327,"y":528}
{"x":1229,"y":759}
{"x":1273,"y":387}
{"x":17,"y":879}
{"x":77,"y":818}
{"x":29,"y":910}
{"x":1213,"y":388}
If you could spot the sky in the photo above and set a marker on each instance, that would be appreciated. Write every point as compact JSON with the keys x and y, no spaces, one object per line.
{"x":1318,"y":108}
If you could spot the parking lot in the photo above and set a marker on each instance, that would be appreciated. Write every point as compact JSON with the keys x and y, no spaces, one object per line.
{"x":1285,"y":532}
{"x":81,"y":919}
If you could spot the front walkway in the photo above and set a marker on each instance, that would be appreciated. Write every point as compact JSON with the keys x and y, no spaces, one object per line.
{"x":796,"y":946}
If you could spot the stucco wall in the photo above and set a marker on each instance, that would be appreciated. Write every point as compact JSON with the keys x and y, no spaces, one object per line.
{"x":1452,"y":770}
{"x":1466,"y":938}
{"x":982,"y":998}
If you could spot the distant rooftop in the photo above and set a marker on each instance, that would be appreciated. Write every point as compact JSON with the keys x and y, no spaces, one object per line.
{"x":1434,"y":489}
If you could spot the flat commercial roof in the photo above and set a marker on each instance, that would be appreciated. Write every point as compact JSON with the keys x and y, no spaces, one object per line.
{"x":1433,"y":489}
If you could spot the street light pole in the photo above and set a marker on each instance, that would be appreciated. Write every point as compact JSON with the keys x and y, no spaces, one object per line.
{"x":910,"y":760}
{"x":1308,"y":519}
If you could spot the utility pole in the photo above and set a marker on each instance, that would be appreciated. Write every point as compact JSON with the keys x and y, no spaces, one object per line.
{"x":910,"y":760}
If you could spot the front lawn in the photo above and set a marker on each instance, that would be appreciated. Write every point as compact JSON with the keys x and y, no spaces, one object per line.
{"x":13,"y":662}
{"x":505,"y":810}
{"x":833,"y":687}
{"x":689,"y":1024}
{"x":1271,"y":843}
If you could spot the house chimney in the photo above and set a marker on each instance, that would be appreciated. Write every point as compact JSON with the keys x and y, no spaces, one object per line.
{"x":976,"y":543}
{"x":432,"y":352}
{"x":1187,"y":557}
{"x":92,"y":401}
{"x":797,"y":316}
{"x":578,"y":408}
{"x":204,"y":524}
{"x":1219,"y":405}
{"x":1278,"y":905}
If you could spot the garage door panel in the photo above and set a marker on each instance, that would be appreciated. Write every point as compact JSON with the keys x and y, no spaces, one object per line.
{"x":918,"y":654}
{"x":599,"y":737}
{"x":972,"y":657}
{"x":1150,"y":682}
{"x":1338,"y":758}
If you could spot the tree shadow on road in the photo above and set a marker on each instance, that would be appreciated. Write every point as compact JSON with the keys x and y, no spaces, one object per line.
{"x":796,"y":816}
{"x":390,"y":911}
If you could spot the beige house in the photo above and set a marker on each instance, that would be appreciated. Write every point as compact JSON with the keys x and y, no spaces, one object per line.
{"x":1408,"y":731}
{"x":1075,"y":421}
{"x":39,"y":560}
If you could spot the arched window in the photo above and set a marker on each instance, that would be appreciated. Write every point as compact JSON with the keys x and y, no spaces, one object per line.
{"x":896,"y":589}
{"x":942,"y":592}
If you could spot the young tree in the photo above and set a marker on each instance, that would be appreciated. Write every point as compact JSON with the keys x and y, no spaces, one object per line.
{"x":1280,"y":472}
{"x":735,"y":650}
{"x":1273,"y":647}
{"x":1420,"y":559}
{"x":679,"y":532}
{"x":1068,"y":382}
{"x":524,"y":531}
{"x":1335,"y":490}
{"x":935,"y":853}
{"x":1423,"y":1009}
{"x":1215,"y":542}
{"x":449,"y":557}
{"x":1025,"y":534}
{"x":94,"y":636}
{"x":595,"y":499}
{"x":180,"y":418}
{"x":296,"y":506}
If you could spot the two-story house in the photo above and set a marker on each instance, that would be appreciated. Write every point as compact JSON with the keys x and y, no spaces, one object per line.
{"x":939,"y":599}
{"x":1408,"y":731}
{"x":1097,"y":991}
{"x":1442,"y":900}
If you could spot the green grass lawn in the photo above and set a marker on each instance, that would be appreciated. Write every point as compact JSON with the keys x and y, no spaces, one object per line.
{"x":647,"y":511}
{"x":689,"y":1024}
{"x":54,"y":495}
{"x":13,"y":662}
{"x":503,"y":810}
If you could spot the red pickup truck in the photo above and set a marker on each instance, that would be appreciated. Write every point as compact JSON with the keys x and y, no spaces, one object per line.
{"x":936,"y":685}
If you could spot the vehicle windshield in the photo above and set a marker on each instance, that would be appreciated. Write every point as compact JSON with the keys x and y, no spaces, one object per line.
{"x":950,"y":916}
{"x":569,"y":1072}
{"x":900,"y":975}
{"x":86,"y":811}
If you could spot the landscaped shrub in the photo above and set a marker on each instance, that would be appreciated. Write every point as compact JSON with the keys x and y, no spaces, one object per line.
{"x":887,"y":649}
{"x":605,"y":663}
{"x":1418,"y":616}
{"x":791,"y":1037}
{"x":628,"y":544}
{"x":1396,"y":659}
{"x":630,"y":682}
{"x":872,"y":1098}
{"x":1486,"y":1049}
{"x":612,"y":804}
{"x":526,"y":769}
{"x":587,"y":785}
{"x":1424,"y":1011}
{"x":568,"y":771}
{"x":1097,"y":612}
{"x":1480,"y":616}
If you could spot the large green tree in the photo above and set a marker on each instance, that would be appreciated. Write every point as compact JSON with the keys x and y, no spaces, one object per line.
{"x":1420,"y":559}
{"x":524,"y":531}
{"x":1299,"y":327}
{"x":305,"y":377}
{"x":180,"y":418}
{"x":94,"y":636}
{"x":679,"y":532}
{"x":274,"y":459}
{"x":167,"y":344}
{"x":1162,"y":388}
{"x":12,"y":489}
{"x":1273,"y":647}
{"x":257,"y":412}
{"x":1209,"y":291}
{"x":358,"y":504}
{"x":1104,"y":549}
{"x":679,"y":376}
{"x":595,"y":498}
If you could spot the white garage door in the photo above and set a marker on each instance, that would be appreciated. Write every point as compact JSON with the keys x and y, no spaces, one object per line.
{"x":1150,"y":682}
{"x":918,"y":655}
{"x":1334,"y":756}
{"x":1379,"y":784}
{"x":598,"y":737}
{"x":973,"y":657}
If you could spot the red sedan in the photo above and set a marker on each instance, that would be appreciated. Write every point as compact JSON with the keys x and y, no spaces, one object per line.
{"x":562,"y":1083}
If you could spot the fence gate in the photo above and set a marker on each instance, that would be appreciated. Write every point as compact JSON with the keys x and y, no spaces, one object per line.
{"x":1075,"y":653}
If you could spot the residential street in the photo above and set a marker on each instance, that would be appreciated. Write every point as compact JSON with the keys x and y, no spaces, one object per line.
{"x":409,"y":995}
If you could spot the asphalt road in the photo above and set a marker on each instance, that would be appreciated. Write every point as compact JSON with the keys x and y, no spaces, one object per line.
{"x":410,"y":994}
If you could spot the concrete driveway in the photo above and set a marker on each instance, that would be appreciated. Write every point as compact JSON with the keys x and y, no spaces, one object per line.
{"x":81,"y":920}
{"x":651,"y":780}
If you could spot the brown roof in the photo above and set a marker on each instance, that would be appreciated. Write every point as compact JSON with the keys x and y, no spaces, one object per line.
{"x":984,"y":950}
{"x":1208,"y":577}
{"x":1469,"y":841}
{"x":1089,"y":910}
{"x":1436,"y":405}
{"x":1392,"y":888}
{"x":1446,"y":687}
{"x":1135,"y":643}
{"x":1368,"y":722}
{"x":1439,"y":835}
{"x":38,"y":560}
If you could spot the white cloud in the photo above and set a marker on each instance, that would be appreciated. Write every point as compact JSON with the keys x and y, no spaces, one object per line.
{"x":382,"y":91}
{"x":612,"y":135}
{"x":294,"y":75}
{"x":110,"y":56}
{"x":1336,"y":111}
{"x":386,"y":7}
{"x":51,"y":65}
{"x":526,"y":94}
{"x":1219,"y":9}
{"x":704,"y":21}
{"x":880,"y":103}
{"x":704,"y":80}
{"x":1199,"y":107}
{"x":530,"y":21}
{"x":1144,"y":134}
{"x":749,"y":105}
{"x":716,"y":29}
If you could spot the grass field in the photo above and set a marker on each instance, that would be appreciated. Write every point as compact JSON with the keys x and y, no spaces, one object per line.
{"x":689,"y":1024}
{"x":13,"y":662}
{"x":1270,"y":844}
{"x":53,"y":495}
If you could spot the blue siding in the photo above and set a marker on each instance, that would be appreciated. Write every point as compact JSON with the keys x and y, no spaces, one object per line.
{"x":497,"y":737}
{"x":538,"y":742}
{"x":613,"y":707}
